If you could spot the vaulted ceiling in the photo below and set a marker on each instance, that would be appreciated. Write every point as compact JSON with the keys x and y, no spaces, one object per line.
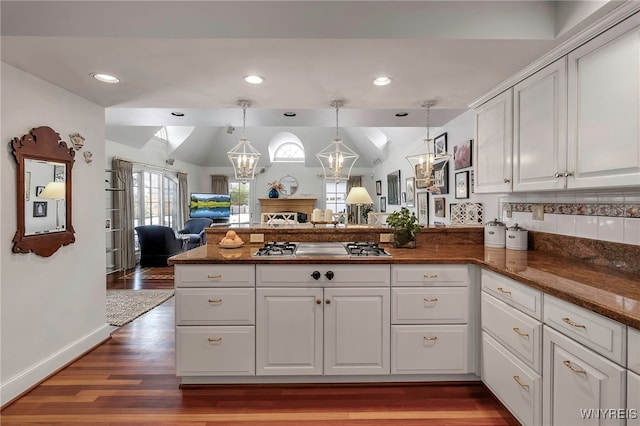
{"x":191,"y":57}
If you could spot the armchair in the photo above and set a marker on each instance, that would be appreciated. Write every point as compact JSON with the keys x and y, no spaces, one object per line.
{"x":194,"y":228}
{"x":157,"y":244}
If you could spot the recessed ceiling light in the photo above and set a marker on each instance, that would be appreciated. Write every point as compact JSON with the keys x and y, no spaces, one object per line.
{"x":401,"y":114}
{"x":289,"y":114}
{"x":382,"y":81}
{"x":105,"y":78}
{"x":177,"y":114}
{"x":253,"y":79}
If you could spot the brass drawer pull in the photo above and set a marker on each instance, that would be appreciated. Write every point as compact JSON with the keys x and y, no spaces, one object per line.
{"x":431,"y":276}
{"x":434,"y":299}
{"x":503,"y":291}
{"x":572,"y":368}
{"x":430,"y":337}
{"x":215,"y":300}
{"x":214,"y":277}
{"x":568,"y":321}
{"x":215,"y":339}
{"x":520,"y":333}
{"x":518,"y":381}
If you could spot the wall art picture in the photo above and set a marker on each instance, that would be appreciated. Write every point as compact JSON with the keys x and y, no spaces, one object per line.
{"x":462,"y":184}
{"x":440,"y":143}
{"x":378,"y":187}
{"x":411,"y":192}
{"x":439,"y":206}
{"x":423,"y":208}
{"x":58,"y":173}
{"x":39,"y":190}
{"x":383,"y":204}
{"x":462,"y":155}
{"x":441,"y":176}
{"x":39,"y":209}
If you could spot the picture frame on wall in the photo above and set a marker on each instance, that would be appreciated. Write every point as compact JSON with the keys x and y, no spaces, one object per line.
{"x":383,"y":204}
{"x":439,"y":205}
{"x":420,"y":184}
{"x":39,"y":190}
{"x":462,"y":184}
{"x":40,"y":209}
{"x":462,"y":155}
{"x":58,"y":173}
{"x":440,"y":143}
{"x":423,"y":207}
{"x":441,"y":176}
{"x":411,"y":191}
{"x":378,"y":187}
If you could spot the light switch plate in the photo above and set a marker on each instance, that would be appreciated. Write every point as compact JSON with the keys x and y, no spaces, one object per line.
{"x":385,"y":238}
{"x":256,"y":238}
{"x":538,"y":212}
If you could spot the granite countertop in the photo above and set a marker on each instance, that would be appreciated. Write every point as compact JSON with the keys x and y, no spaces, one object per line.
{"x":609,"y":292}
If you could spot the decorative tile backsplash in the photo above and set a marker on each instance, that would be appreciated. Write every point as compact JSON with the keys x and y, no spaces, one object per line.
{"x":580,"y":209}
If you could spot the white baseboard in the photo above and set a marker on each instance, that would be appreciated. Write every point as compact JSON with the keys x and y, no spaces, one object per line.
{"x":17,"y":385}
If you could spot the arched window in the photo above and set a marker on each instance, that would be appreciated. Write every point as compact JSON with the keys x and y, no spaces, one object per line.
{"x":285,"y":147}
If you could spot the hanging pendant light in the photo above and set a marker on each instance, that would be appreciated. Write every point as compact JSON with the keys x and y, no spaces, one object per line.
{"x":243,"y":156}
{"x":337,"y":158}
{"x":424,"y":165}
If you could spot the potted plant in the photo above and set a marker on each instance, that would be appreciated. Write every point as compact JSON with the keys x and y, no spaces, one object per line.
{"x":405,"y":227}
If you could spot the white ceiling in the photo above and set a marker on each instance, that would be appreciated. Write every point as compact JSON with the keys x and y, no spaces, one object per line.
{"x":191,"y":56}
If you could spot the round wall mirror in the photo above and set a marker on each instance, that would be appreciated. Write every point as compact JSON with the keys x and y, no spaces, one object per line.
{"x":289,"y":185}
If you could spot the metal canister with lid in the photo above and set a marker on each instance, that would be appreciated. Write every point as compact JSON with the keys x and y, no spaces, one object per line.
{"x":494,"y":234}
{"x":517,"y":238}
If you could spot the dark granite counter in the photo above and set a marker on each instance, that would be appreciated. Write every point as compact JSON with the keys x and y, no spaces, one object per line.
{"x":609,"y":292}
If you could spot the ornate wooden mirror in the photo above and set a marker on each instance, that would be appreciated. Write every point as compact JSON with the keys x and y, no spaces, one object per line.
{"x":43,"y":178}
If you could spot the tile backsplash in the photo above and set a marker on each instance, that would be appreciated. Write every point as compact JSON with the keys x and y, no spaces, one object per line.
{"x":606,"y":217}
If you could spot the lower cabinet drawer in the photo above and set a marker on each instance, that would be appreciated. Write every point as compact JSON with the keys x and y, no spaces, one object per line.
{"x":417,"y":305}
{"x":215,"y":306}
{"x":215,"y":351}
{"x":518,"y":332}
{"x":516,"y":385}
{"x":429,"y":349}
{"x":633,"y":399}
{"x":520,"y":296}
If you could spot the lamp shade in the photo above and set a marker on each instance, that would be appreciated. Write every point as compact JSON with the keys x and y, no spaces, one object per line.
{"x":54,"y":191}
{"x":359,"y":195}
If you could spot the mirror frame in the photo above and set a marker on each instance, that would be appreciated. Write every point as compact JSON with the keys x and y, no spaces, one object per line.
{"x":41,"y":143}
{"x":287,"y":194}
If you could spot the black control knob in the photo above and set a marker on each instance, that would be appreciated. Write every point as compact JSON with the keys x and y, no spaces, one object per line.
{"x":315,"y":275}
{"x":329,"y":275}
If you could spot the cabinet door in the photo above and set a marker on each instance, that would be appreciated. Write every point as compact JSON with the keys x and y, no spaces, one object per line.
{"x":493,"y":132}
{"x":357,"y":331}
{"x":604,"y":109}
{"x":579,"y":385}
{"x":289,"y":331}
{"x":540,"y":129}
{"x":633,"y":399}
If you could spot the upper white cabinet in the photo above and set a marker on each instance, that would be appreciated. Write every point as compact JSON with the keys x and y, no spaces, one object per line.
{"x":493,"y":144}
{"x":604,"y":109}
{"x":540,"y":129}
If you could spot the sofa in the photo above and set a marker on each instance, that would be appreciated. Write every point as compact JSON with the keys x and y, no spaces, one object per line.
{"x":157,"y":244}
{"x":194,"y":229}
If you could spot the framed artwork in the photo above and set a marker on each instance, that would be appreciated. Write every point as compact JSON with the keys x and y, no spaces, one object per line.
{"x":420,"y":184}
{"x":39,"y":190}
{"x":403,"y":198}
{"x":411,"y":192}
{"x":441,"y":176}
{"x":462,"y":155}
{"x":383,"y":204}
{"x":440,"y":143}
{"x":451,"y":206}
{"x":462,"y":184}
{"x":39,"y":209}
{"x":439,"y":206}
{"x":378,"y":187}
{"x":471,"y":179}
{"x":107,"y":224}
{"x":58,"y":173}
{"x":393,"y":188}
{"x":423,"y":208}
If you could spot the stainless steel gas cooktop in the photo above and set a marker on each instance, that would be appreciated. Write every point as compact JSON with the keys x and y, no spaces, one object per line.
{"x":322,"y":249}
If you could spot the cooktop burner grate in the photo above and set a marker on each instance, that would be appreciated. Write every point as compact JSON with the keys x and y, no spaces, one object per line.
{"x":365,"y":249}
{"x":276,"y":249}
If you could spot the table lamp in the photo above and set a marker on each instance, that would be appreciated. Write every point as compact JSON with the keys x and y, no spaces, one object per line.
{"x":54,"y":191}
{"x":359,"y":196}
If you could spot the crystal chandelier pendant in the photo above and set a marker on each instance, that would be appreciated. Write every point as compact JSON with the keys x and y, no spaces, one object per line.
{"x":337,"y":159}
{"x":423,"y":165}
{"x":244,"y":157}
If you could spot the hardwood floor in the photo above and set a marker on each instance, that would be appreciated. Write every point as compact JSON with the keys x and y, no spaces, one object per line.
{"x":130,"y":379}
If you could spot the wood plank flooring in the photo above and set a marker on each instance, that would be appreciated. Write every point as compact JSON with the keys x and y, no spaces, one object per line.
{"x":130,"y":380}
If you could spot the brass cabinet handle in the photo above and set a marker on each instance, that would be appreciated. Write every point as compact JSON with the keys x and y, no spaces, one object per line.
{"x":520,"y":333}
{"x":215,"y":300}
{"x":430,"y":337}
{"x":215,"y":339}
{"x":572,"y":368}
{"x":568,"y":321}
{"x":431,"y":276}
{"x":503,"y":291}
{"x":434,"y":299}
{"x":518,"y":381}
{"x":214,"y":277}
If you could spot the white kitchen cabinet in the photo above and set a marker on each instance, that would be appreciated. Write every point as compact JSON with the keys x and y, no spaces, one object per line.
{"x":633,"y":350}
{"x":289,"y":331}
{"x":520,"y":296}
{"x":540,"y":129}
{"x":357,"y":331}
{"x":604,"y":109}
{"x":429,"y":349}
{"x":577,"y":380}
{"x":493,"y":144}
{"x":633,"y":399}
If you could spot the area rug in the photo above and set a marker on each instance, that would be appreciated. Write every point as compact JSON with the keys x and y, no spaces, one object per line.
{"x":123,"y":306}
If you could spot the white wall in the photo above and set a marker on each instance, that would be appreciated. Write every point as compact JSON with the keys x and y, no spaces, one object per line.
{"x":52,"y":308}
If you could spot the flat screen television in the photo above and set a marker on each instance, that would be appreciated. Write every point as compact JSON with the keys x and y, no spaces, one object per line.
{"x":214,"y":206}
